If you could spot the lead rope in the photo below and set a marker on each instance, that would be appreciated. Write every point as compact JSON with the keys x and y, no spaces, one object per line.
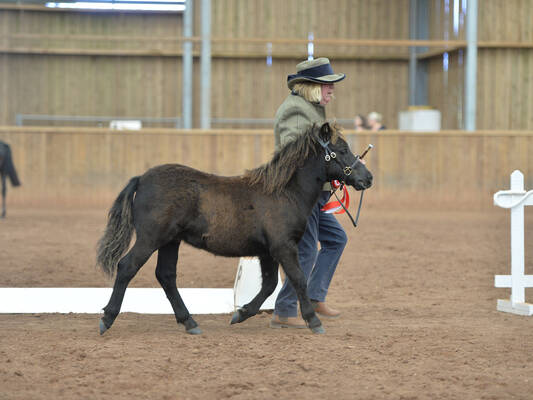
{"x":332,"y":155}
{"x":354,"y":222}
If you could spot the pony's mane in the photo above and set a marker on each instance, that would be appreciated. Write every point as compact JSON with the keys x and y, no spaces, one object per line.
{"x":276,"y":174}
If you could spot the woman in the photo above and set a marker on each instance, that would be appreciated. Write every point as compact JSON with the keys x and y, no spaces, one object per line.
{"x":359,"y":122}
{"x":311,"y":90}
{"x":375,"y":121}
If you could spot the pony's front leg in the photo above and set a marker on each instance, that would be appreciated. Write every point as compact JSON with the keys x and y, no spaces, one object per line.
{"x":269,"y":274}
{"x":288,"y":257}
{"x":4,"y":186}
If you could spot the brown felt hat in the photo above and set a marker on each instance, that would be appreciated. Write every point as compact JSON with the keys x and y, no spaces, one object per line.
{"x":318,"y":70}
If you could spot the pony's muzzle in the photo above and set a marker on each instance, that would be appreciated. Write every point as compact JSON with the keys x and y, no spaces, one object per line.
{"x":364,"y":183}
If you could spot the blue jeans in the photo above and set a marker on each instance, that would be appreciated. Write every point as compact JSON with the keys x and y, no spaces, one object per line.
{"x":317,"y":266}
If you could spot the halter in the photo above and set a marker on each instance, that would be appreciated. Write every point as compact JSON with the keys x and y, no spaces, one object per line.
{"x":331,"y":155}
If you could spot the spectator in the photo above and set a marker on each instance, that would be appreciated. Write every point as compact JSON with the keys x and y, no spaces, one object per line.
{"x":360,"y":123}
{"x":375,"y":121}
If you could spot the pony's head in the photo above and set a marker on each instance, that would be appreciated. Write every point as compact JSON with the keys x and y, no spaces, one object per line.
{"x":319,"y":141}
{"x":341,"y":163}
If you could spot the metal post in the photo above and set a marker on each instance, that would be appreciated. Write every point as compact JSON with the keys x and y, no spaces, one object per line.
{"x":186,"y":101}
{"x":412,"y":52}
{"x":205,"y":67}
{"x":471,"y":65}
{"x":418,"y":68}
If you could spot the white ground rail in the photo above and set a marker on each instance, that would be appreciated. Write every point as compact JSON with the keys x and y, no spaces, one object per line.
{"x":139,"y":300}
{"x":516,"y":199}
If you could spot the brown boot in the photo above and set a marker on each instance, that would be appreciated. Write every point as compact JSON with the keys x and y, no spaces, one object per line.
{"x":324,"y":311}
{"x":287,"y":322}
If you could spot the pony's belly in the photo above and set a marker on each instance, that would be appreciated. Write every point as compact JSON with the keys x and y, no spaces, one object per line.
{"x":234,"y":248}
{"x":230,"y":247}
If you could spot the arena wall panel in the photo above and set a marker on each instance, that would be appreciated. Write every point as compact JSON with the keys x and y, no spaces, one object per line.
{"x":59,"y":62}
{"x":129,"y":65}
{"x":89,"y":166}
{"x":505,"y":64}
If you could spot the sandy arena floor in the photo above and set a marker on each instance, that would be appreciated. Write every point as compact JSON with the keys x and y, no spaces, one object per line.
{"x":416,"y":289}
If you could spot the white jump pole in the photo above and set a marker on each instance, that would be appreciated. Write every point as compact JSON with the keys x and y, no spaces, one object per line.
{"x":516,"y":199}
{"x":91,"y":300}
{"x":140,"y":300}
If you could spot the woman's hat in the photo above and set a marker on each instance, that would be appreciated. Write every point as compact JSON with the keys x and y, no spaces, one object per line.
{"x":318,"y":70}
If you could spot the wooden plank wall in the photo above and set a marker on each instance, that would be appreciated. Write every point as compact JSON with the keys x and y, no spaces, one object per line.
{"x":338,"y":19}
{"x":509,"y":20}
{"x":89,"y":166}
{"x":129,"y":65}
{"x":446,"y":89}
{"x":505,"y":64}
{"x":505,"y":88}
{"x":67,"y":63}
{"x":257,"y":90}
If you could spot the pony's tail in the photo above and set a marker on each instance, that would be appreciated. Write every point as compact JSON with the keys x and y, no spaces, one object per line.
{"x":10,"y":168}
{"x":119,"y":230}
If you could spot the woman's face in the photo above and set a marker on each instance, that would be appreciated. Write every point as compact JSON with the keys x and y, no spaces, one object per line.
{"x":327,"y":93}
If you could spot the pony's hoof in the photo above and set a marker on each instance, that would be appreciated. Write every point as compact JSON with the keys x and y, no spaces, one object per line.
{"x":103,"y":328}
{"x":236,"y":318}
{"x":319,"y":330}
{"x":194,"y":331}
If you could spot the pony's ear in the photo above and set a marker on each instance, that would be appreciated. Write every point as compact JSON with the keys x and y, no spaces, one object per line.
{"x":325,"y":132}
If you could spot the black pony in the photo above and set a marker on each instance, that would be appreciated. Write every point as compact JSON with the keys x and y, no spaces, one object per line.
{"x":7,"y":168}
{"x":262,"y":213}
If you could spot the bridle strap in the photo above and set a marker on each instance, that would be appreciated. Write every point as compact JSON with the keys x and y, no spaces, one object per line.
{"x":347,"y":170}
{"x":330,"y":155}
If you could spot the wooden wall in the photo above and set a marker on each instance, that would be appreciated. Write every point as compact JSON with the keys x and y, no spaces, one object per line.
{"x":89,"y":64}
{"x":89,"y":166}
{"x":508,"y":20}
{"x":129,"y":65}
{"x":255,"y":90}
{"x":505,"y":64}
{"x":296,"y":19}
{"x":498,"y":20}
{"x":446,"y":89}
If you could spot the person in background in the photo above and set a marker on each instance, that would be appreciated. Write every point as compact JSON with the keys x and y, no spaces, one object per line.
{"x":375,"y":121}
{"x":359,"y":122}
{"x":311,"y":90}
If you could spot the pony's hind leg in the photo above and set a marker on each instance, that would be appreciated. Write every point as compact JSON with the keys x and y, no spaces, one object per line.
{"x":165,"y":273}
{"x":269,"y":273}
{"x":126,"y":270}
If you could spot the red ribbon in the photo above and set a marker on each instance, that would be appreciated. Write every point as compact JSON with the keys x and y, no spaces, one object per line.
{"x":335,"y":207}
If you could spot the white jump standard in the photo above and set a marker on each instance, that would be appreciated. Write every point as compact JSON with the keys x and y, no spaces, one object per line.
{"x":515,"y":199}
